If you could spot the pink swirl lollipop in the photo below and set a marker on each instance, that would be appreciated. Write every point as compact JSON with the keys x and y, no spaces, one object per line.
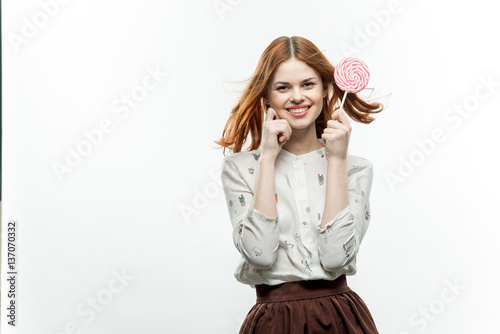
{"x":351,"y":75}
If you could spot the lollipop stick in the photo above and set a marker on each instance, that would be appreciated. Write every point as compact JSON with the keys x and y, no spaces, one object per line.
{"x":343,"y":99}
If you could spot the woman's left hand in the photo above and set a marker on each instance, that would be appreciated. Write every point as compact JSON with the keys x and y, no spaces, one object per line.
{"x":336,"y":135}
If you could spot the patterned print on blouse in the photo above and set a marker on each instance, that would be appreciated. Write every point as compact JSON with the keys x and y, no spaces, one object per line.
{"x":242,"y":200}
{"x":320,"y":153}
{"x":257,"y":251}
{"x":256,"y":156}
{"x":348,"y":248}
{"x":276,"y":196}
{"x":306,"y":263}
{"x":251,"y":170}
{"x":320,"y":179}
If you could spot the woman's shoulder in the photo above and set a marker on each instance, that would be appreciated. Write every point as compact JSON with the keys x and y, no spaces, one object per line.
{"x":242,"y":158}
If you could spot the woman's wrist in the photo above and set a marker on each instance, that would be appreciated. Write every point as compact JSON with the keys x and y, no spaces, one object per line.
{"x":266,"y":159}
{"x":336,"y":159}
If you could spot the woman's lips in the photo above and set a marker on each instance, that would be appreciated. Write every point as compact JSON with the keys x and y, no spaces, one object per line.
{"x":295,"y":114}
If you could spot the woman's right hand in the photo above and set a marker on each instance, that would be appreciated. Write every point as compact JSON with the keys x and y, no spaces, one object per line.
{"x":275,"y":133}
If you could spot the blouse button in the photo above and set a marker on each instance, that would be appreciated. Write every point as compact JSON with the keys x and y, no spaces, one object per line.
{"x":308,"y":209}
{"x":305,"y":223}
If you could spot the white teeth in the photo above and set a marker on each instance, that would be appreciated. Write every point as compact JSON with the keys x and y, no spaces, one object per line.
{"x":297,"y":111}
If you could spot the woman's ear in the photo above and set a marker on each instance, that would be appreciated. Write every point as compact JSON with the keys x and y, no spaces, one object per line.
{"x":266,"y":102}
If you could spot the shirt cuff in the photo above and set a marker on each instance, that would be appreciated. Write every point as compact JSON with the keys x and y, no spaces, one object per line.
{"x":339,"y":216}
{"x":253,"y":211}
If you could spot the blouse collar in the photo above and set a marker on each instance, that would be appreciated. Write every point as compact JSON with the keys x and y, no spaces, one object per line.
{"x":310,"y":156}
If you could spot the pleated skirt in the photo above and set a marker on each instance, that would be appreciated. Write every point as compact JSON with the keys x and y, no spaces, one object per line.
{"x":314,"y":306}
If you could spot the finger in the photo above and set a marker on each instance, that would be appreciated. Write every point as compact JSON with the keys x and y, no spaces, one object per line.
{"x":271,"y":113}
{"x":346,"y":118}
{"x":340,"y":117}
{"x":281,"y":137}
{"x":334,"y":124}
{"x":286,"y":133}
{"x":283,"y":134}
{"x":330,"y":130}
{"x":326,"y":138}
{"x":275,"y":113}
{"x":288,"y":130}
{"x":343,"y":117}
{"x":335,"y":114}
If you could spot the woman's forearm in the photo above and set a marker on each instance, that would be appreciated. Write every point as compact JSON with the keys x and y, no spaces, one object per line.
{"x":264,"y":198}
{"x":337,"y":196}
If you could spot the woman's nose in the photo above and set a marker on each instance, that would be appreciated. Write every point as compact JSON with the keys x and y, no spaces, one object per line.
{"x":297,"y":95}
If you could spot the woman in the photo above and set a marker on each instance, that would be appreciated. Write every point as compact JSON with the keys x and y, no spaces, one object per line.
{"x":298,"y":202}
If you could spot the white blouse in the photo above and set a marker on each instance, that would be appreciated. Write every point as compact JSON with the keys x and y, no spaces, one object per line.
{"x":291,"y":246}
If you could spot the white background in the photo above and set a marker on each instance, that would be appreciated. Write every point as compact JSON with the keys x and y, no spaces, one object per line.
{"x":120,"y":208}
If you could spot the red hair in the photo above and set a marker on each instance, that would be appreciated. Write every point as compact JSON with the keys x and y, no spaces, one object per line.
{"x":248,"y":114}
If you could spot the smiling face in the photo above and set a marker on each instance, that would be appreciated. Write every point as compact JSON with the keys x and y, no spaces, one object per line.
{"x":296,"y":92}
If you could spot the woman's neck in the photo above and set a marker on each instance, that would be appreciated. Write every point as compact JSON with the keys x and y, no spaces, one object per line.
{"x":300,"y":146}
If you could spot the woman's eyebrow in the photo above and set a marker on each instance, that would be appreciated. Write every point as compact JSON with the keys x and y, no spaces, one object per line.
{"x":286,"y":83}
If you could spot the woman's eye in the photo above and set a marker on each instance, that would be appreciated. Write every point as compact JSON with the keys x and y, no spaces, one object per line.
{"x":307,"y":84}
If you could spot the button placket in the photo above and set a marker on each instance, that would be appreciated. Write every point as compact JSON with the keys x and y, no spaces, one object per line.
{"x":302,"y":202}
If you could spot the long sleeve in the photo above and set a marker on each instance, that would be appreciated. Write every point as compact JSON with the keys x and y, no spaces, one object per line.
{"x":255,"y":235}
{"x":339,"y":240}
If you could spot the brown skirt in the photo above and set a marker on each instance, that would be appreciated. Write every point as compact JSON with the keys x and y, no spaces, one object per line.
{"x":314,"y":306}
